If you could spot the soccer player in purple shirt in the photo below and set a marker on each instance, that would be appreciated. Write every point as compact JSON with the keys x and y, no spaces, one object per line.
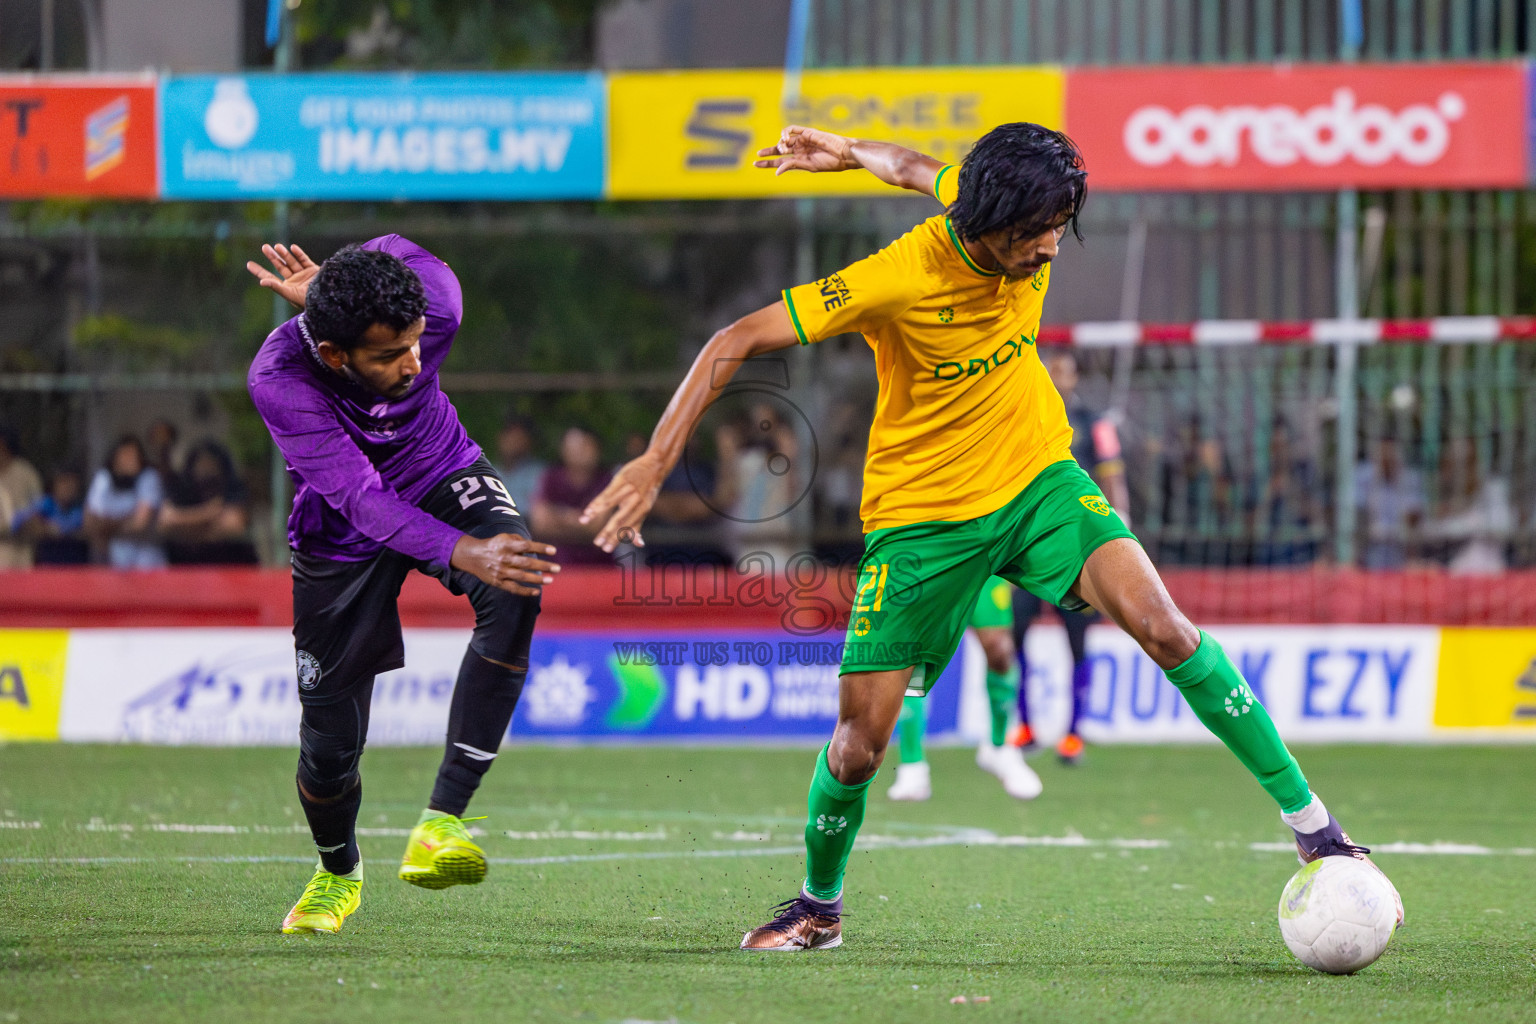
{"x":386,"y":481}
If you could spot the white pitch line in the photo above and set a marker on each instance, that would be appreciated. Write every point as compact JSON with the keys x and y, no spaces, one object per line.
{"x":977,"y":838}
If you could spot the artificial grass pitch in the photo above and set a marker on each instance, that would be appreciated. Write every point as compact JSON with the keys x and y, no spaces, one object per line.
{"x":142,"y":884}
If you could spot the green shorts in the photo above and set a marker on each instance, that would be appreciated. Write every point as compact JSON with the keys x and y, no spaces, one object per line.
{"x":918,"y":584}
{"x":994,"y":605}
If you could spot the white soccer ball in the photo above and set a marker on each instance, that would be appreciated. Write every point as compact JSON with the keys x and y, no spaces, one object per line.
{"x":1337,"y":914}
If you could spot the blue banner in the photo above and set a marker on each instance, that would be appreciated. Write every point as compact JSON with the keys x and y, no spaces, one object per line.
{"x":373,"y":136}
{"x":707,"y":686}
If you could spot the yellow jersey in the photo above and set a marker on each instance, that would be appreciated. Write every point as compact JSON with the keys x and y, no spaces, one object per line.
{"x":967,"y":415}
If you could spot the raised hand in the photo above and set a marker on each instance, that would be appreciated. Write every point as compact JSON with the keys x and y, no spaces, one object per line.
{"x":506,"y":561}
{"x":625,"y":502}
{"x":808,"y":149}
{"x":294,"y":272}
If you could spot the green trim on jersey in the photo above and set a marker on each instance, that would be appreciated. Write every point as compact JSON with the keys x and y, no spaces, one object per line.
{"x":794,"y":317}
{"x":965,"y":255}
{"x":940,"y":177}
{"x":918,"y":584}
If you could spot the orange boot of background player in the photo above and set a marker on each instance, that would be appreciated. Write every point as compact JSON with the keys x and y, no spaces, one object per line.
{"x":1070,"y":749}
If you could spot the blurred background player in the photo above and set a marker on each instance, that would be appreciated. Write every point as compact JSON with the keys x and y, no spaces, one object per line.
{"x":992,"y":623}
{"x":1096,"y":447}
{"x":385,"y":481}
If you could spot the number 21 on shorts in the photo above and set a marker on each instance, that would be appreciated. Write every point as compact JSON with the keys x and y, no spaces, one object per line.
{"x":874,"y":578}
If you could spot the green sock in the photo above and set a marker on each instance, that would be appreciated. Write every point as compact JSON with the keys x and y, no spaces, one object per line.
{"x":836,"y":812}
{"x":1002,"y":695}
{"x":1221,"y":699}
{"x":910,"y":728}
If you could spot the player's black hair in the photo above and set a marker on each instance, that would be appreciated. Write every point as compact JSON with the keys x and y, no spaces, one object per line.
{"x":1020,"y":177}
{"x":357,"y":288}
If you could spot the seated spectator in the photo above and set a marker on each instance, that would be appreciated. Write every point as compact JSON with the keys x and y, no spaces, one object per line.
{"x":519,"y":469}
{"x":1286,"y":510}
{"x":20,"y":487}
{"x":1389,"y":500}
{"x":160,"y":439}
{"x":1474,"y":519}
{"x":120,"y":509}
{"x":55,"y":523}
{"x":564,"y":492}
{"x":205,"y":515}
{"x":685,"y":526}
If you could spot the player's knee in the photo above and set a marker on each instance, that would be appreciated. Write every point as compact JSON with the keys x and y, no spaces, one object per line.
{"x":855,"y":753}
{"x":1000,"y":655}
{"x":503,"y":625}
{"x":324,"y":779}
{"x":327,"y":765}
{"x":1165,"y":634}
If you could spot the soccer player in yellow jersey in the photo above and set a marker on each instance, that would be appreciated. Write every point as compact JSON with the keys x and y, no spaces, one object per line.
{"x":969,"y":473}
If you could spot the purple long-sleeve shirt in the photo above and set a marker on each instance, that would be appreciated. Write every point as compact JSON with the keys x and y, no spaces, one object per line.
{"x":360,"y":462}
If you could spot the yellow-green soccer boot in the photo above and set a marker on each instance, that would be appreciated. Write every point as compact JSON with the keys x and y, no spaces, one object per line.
{"x":326,"y":902}
{"x":440,"y":853}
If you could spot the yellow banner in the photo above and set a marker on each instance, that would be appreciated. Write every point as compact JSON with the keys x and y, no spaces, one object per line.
{"x":1487,"y":679}
{"x":694,"y":134}
{"x":31,"y":682}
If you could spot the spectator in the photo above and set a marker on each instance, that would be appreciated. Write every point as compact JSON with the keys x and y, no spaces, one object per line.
{"x":1475,"y":518}
{"x":160,"y":449}
{"x":120,"y":509}
{"x":55,"y":523}
{"x":20,"y":487}
{"x":1196,"y":499}
{"x":519,"y":470}
{"x":1286,"y":509}
{"x":1389,"y":501}
{"x":685,"y":526}
{"x":565,"y":490}
{"x":205,"y":515}
{"x":766,"y":485}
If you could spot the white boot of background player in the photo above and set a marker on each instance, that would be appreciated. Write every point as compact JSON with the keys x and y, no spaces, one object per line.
{"x":913,"y":782}
{"x":1007,"y":763}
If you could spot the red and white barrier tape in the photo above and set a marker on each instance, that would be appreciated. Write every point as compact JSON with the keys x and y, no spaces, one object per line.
{"x":1444,"y":329}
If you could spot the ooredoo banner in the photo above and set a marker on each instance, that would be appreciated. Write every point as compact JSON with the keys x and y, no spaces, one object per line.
{"x":87,"y":136}
{"x":375,"y":136}
{"x":1448,"y":125}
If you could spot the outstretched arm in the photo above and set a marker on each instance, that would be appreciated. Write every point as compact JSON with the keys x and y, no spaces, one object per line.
{"x":814,"y":150}
{"x":294,"y":272}
{"x":627,"y":499}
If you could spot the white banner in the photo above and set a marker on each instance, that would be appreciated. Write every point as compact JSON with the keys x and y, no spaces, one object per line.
{"x":236,"y":687}
{"x":1319,"y":683}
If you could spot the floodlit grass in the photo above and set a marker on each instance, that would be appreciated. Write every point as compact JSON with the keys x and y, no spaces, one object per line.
{"x":624,"y":878}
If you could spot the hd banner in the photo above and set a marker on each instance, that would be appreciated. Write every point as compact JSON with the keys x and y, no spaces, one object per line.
{"x":1299,"y":127}
{"x":376,"y":136}
{"x":238,"y":687}
{"x":77,"y":136}
{"x":694,"y":134}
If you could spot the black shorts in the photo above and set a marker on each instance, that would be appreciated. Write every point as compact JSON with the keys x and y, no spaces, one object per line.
{"x":346,"y":618}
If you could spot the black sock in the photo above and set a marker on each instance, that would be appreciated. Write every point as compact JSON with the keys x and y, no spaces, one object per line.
{"x":334,"y":826}
{"x":483,"y":700}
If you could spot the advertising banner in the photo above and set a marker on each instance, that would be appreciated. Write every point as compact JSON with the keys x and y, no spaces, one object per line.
{"x":1319,"y":683}
{"x":31,"y":682}
{"x":62,"y":136}
{"x":1487,"y":680}
{"x":694,"y":134}
{"x":237,"y":687}
{"x":1450,"y":125}
{"x":375,"y":136}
